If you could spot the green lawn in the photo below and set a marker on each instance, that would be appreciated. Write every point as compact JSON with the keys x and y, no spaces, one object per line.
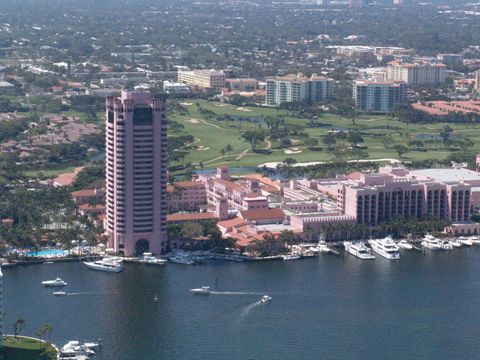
{"x":24,"y":349}
{"x":49,"y":173}
{"x":213,"y":135}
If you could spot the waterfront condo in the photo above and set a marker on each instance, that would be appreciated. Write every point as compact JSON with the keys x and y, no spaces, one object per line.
{"x":136,"y":164}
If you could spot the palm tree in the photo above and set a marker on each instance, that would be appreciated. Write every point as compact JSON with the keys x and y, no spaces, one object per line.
{"x":229,"y":149}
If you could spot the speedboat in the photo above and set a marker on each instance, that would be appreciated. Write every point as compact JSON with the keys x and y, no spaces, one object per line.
{"x":106,"y":264}
{"x":54,"y":283}
{"x":75,"y":350}
{"x":291,"y":257}
{"x":475,"y":240}
{"x":149,"y":259}
{"x":405,"y":245}
{"x":181,"y":259}
{"x":465,"y":241}
{"x":446,"y":245}
{"x":204,"y":290}
{"x":385,"y":247}
{"x":359,"y":250}
{"x":265,"y":299}
{"x":431,"y":243}
{"x":59,"y":293}
{"x":322,"y":247}
{"x":455,"y":243}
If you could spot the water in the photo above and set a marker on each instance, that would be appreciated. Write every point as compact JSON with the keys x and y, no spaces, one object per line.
{"x":421,"y":307}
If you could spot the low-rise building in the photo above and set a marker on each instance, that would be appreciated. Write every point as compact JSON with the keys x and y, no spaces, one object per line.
{"x":171,"y":87}
{"x":207,"y":79}
{"x":186,"y":196}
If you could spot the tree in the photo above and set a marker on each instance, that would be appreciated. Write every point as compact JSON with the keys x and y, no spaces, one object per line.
{"x":253,"y":137}
{"x":192,"y":230}
{"x":229,"y":149}
{"x":18,"y":326}
{"x":43,"y":330}
{"x":288,"y":237}
{"x":446,"y":132}
{"x":329,"y":139}
{"x":310,"y":143}
{"x":400,"y":149}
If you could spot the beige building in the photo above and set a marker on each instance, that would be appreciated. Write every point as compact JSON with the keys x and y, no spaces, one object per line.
{"x":207,"y":79}
{"x":242,"y":84}
{"x":477,"y":80}
{"x":418,"y":73}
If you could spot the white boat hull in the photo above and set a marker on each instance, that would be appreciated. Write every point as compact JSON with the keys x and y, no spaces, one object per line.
{"x":352,"y":251}
{"x":99,"y":267}
{"x":430,"y":246}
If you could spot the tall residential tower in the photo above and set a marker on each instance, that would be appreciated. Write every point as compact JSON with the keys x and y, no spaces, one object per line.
{"x":136,"y":169}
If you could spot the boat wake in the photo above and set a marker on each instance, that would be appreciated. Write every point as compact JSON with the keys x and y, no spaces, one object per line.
{"x":248,"y":308}
{"x":234,"y":293}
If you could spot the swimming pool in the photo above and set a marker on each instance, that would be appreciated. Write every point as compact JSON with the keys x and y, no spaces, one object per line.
{"x":47,"y":253}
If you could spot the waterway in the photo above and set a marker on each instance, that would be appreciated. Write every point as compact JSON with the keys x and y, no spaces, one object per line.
{"x":421,"y":307}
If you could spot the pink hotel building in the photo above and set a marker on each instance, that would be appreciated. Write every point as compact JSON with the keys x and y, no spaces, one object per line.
{"x":136,"y":164}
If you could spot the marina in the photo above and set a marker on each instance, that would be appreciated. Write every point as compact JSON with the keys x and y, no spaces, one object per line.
{"x":348,"y":295}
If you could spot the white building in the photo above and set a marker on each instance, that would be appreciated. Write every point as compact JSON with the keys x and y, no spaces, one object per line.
{"x":171,"y":87}
{"x":378,"y":97}
{"x":417,"y":73}
{"x":208,"y":79}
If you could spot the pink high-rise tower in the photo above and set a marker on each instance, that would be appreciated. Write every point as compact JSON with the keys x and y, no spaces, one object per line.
{"x":136,"y":168}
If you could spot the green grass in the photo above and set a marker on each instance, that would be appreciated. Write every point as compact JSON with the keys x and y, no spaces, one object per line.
{"x":215,"y":135}
{"x":49,"y":173}
{"x":24,"y":349}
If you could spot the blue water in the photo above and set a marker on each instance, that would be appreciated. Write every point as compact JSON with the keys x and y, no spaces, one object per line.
{"x":421,"y":307}
{"x":50,"y":252}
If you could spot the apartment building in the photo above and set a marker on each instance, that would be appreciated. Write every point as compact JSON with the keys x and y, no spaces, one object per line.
{"x":378,"y":97}
{"x":186,"y":196}
{"x":206,"y":79}
{"x":477,"y":80}
{"x":298,"y":88}
{"x":417,"y":73}
{"x":136,"y":169}
{"x":242,"y":84}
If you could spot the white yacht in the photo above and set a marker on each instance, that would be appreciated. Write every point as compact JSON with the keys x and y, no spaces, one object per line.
{"x":265,"y":299}
{"x":385,"y":247}
{"x":359,"y":250}
{"x":181,"y":259}
{"x":291,"y":257}
{"x":475,"y":240}
{"x":445,"y":245}
{"x":431,"y":243}
{"x":405,"y":245}
{"x":204,"y":290}
{"x":455,"y":243}
{"x":465,"y":241}
{"x":59,"y":293}
{"x":322,"y":247}
{"x":149,"y":259}
{"x":106,"y":264}
{"x":75,"y":350}
{"x":54,"y":283}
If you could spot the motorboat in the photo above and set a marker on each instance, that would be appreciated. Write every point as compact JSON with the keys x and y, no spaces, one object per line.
{"x":204,"y":290}
{"x":58,"y":282}
{"x":149,"y":259}
{"x":265,"y":299}
{"x":465,"y":241}
{"x":75,"y":350}
{"x":455,"y":243}
{"x":322,"y":248}
{"x":386,"y":248}
{"x":405,"y":245}
{"x":475,"y":240}
{"x":430,"y":242}
{"x":181,"y":259}
{"x":60,"y":293}
{"x":445,"y":244}
{"x":106,"y":264}
{"x":291,"y":257}
{"x":359,"y":250}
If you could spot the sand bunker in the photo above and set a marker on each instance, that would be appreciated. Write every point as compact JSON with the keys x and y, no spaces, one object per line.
{"x":202,"y":148}
{"x":193,"y":121}
{"x":186,"y":104}
{"x":294,"y":150}
{"x":243,"y":109}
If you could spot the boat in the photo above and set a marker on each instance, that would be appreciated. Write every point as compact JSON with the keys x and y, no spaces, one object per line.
{"x":445,"y":244}
{"x":431,"y":243}
{"x":204,"y":290}
{"x":149,"y":259}
{"x":105,"y":264}
{"x":74,"y":350}
{"x":291,"y":257}
{"x":60,"y":293}
{"x":155,"y":299}
{"x":475,"y":240}
{"x":181,"y":259}
{"x":322,"y":248}
{"x":265,"y":299}
{"x":54,"y":283}
{"x":405,"y":245}
{"x":455,"y":243}
{"x":359,"y":250}
{"x":465,"y":241}
{"x":386,"y":248}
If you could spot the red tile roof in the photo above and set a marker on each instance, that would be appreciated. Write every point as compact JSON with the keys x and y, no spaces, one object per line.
{"x":83,"y":193}
{"x":190,"y":216}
